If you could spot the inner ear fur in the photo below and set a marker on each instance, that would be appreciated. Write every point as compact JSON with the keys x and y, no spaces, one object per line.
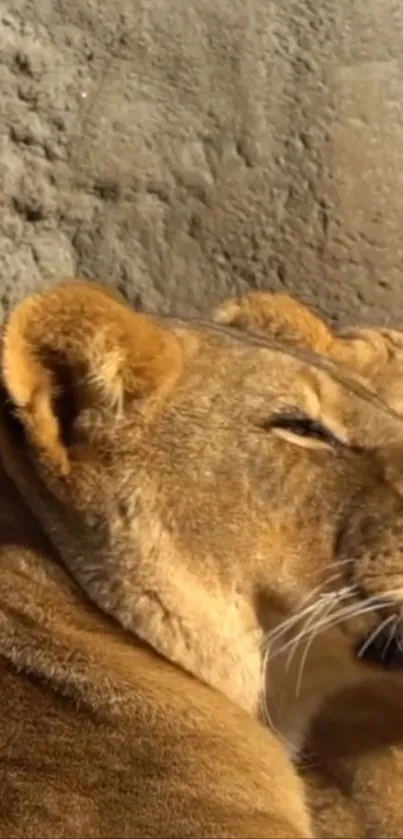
{"x":80,"y":333}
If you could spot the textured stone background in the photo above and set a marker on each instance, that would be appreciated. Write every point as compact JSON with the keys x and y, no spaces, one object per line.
{"x":184,"y":149}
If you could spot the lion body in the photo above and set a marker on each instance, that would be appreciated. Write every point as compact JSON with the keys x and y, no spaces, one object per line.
{"x":101,"y":737}
{"x":173,"y":495}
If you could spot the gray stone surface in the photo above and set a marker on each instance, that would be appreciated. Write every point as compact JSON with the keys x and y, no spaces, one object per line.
{"x":184,"y":149}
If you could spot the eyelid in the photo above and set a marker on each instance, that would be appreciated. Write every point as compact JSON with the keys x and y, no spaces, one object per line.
{"x":285,"y":420}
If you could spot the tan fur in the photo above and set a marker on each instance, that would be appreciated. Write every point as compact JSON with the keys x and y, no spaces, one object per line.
{"x":278,"y":315}
{"x":102,"y":737}
{"x":145,"y":458}
{"x":373,"y":352}
{"x":354,"y":772}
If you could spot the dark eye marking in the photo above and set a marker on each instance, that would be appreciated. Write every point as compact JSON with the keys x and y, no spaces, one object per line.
{"x":303,"y":426}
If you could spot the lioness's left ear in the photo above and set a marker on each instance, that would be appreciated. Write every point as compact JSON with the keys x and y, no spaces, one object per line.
{"x":277,"y":316}
{"x":77,"y":343}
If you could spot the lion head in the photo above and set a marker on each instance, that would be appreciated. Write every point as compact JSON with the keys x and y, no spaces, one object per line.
{"x":356,"y":742}
{"x":222,"y":497}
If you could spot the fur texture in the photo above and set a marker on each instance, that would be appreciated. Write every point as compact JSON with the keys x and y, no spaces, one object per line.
{"x":199,"y":487}
{"x":354,"y":770}
{"x":101,"y":736}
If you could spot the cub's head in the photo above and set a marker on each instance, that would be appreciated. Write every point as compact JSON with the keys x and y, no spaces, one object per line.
{"x":236,"y":504}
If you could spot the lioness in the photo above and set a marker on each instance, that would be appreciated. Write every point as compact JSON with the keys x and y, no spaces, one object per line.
{"x":356,"y":778}
{"x":100,"y":736}
{"x":216,"y":497}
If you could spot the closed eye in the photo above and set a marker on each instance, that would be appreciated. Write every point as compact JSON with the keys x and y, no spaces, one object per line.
{"x":294,"y":424}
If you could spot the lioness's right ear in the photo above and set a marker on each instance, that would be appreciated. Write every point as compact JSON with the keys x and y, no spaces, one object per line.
{"x":277,"y":316}
{"x":281,"y":317}
{"x":74,"y":343}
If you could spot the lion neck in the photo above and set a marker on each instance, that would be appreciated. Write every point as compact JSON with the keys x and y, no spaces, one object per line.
{"x":210,"y":632}
{"x":207,"y":634}
{"x":215,"y":635}
{"x":223,"y":656}
{"x":207,"y":629}
{"x":210,"y":635}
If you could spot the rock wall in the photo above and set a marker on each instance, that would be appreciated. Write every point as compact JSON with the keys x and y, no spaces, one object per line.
{"x":186,"y":149}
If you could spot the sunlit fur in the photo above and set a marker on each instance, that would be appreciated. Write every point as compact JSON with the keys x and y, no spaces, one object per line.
{"x":161,"y":461}
{"x":181,"y":508}
{"x":100,"y":736}
{"x":354,"y":759}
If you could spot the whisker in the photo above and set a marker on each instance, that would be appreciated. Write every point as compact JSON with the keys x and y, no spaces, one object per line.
{"x":343,"y":594}
{"x":337,"y":563}
{"x":392,"y":594}
{"x":355,"y":610}
{"x":265,"y":710}
{"x":331,"y":579}
{"x":305,"y":654}
{"x":324,"y":602}
{"x":287,"y":624}
{"x":372,"y":637}
{"x":377,"y":601}
{"x":327,"y":612}
{"x":392,"y":633}
{"x":293,"y":619}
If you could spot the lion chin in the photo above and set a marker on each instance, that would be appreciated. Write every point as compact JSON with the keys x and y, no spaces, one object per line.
{"x":198,"y":525}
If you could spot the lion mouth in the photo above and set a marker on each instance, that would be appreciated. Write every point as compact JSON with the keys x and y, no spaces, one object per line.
{"x":384,"y":646}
